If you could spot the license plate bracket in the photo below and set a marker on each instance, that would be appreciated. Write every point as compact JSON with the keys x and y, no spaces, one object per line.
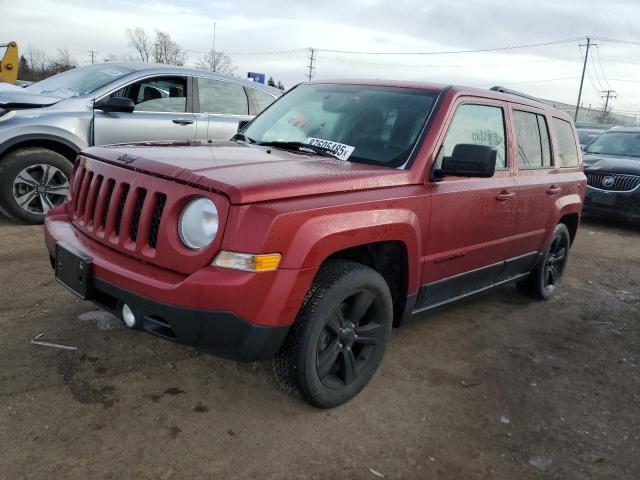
{"x":73,"y":270}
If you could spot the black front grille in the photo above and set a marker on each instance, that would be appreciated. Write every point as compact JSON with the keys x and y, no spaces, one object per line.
{"x":118,"y":211}
{"x":615,"y":182}
{"x":155,"y":220}
{"x":137,"y":212}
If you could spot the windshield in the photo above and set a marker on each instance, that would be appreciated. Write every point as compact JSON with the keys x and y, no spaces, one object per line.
{"x":378,"y":125}
{"x":585,"y":136}
{"x":79,"y":81}
{"x":626,"y":144}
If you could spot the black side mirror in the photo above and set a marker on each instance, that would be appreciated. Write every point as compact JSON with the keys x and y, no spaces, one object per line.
{"x":468,"y":160}
{"x":115,"y":104}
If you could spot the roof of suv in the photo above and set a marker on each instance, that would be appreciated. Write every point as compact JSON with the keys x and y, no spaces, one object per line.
{"x":456,"y":90}
{"x":625,"y":129}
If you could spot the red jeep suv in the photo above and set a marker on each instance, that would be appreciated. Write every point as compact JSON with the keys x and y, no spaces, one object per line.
{"x":342,"y":210}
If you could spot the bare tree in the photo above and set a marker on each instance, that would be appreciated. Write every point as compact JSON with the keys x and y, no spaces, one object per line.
{"x":126,"y":57}
{"x":216,"y":61}
{"x":37,"y":60}
{"x":141,"y":42}
{"x":167,"y":51}
{"x":64,"y":61}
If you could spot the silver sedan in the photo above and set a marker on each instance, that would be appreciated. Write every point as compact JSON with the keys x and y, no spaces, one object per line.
{"x":45,"y":125}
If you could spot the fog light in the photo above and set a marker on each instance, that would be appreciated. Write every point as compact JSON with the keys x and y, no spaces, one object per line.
{"x":128,"y":316}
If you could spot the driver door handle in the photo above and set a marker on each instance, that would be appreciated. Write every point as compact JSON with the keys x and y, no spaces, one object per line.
{"x":182,"y":121}
{"x":553,"y":189}
{"x":505,"y":195}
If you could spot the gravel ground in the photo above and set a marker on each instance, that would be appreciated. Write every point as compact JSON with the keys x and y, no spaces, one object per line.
{"x":497,"y":386}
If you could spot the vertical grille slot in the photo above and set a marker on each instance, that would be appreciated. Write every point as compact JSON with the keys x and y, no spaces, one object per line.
{"x":92,"y":196}
{"x":107,"y":202}
{"x":77,"y":184}
{"x":84,"y":189}
{"x":137,"y":212}
{"x":156,"y":218}
{"x":120,"y":211}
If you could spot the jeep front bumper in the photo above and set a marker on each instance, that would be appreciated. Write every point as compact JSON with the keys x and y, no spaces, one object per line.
{"x":233,"y":314}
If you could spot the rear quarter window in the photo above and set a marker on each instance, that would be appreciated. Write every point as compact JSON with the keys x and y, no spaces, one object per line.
{"x":567,"y":148}
{"x":259,"y":99}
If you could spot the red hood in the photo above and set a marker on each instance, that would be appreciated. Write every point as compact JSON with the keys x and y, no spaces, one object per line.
{"x":248,"y":174}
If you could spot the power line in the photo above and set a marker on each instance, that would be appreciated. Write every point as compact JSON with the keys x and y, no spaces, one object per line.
{"x":620,"y":99}
{"x":448,"y":65}
{"x":615,"y":40}
{"x":447,"y":52}
{"x":273,"y":52}
{"x":545,"y":80}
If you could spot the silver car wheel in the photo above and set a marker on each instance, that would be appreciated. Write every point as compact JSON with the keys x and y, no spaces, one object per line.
{"x":40,"y":187}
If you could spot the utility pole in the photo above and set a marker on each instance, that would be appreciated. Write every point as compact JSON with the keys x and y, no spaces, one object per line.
{"x":312,"y":59}
{"x":92,"y":53}
{"x":213,"y":48}
{"x":584,"y":69}
{"x":608,"y":95}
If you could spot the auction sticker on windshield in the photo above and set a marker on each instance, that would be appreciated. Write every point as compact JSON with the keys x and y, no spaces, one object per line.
{"x":340,"y":150}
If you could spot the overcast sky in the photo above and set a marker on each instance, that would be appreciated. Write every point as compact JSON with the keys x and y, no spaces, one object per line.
{"x":366,"y":25}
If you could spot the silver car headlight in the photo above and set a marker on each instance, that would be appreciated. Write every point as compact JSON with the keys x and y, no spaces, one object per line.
{"x":198,"y":223}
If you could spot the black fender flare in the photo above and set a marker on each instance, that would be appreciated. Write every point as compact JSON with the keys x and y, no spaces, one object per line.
{"x":30,"y":137}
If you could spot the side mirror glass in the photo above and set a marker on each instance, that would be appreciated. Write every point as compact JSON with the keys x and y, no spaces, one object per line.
{"x":115,"y":104}
{"x":468,"y":160}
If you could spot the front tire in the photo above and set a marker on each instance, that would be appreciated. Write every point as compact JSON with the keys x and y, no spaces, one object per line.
{"x":32,"y":181}
{"x":339,"y":337}
{"x":543,"y":280}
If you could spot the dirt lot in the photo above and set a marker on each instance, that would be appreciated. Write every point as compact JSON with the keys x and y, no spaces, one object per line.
{"x":497,"y":386}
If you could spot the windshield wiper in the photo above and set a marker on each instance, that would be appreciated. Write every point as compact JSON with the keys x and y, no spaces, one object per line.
{"x":325,"y":152}
{"x":243,"y":138}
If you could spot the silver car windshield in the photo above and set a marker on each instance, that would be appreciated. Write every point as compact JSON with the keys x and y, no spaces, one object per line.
{"x":372,"y":124}
{"x":79,"y":81}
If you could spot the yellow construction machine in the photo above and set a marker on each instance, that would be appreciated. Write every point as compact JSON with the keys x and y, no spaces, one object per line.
{"x":9,"y":63}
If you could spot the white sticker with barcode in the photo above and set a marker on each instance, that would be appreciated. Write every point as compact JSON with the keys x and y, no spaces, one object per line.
{"x":340,"y":150}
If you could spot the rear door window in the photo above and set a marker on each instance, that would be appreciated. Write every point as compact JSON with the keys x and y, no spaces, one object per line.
{"x":222,"y":97}
{"x":533,"y":140}
{"x":567,"y":149}
{"x":478,"y":124}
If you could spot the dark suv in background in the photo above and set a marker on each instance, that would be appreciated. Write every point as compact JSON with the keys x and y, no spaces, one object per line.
{"x":612,"y":167}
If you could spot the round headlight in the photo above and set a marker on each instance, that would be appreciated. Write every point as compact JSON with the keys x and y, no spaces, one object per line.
{"x":198,"y":223}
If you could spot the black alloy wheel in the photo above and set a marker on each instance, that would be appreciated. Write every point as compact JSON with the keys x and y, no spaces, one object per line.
{"x":546,"y":276}
{"x":353,"y":331}
{"x":339,"y":337}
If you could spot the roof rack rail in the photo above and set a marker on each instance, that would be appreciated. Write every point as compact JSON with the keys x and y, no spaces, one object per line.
{"x":500,"y":89}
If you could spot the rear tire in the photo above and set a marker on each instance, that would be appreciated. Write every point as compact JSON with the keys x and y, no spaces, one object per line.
{"x":32,"y":181}
{"x":339,"y":337}
{"x":546,"y":276}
